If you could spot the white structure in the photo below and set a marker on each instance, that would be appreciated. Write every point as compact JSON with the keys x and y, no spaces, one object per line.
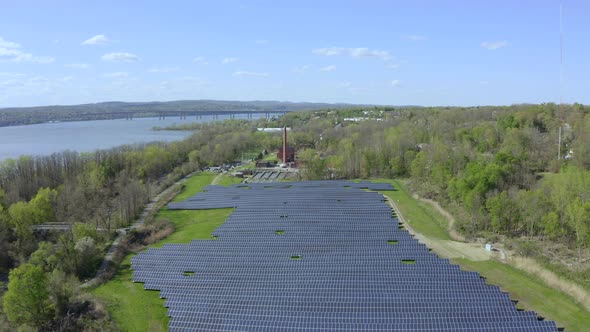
{"x":271,"y":130}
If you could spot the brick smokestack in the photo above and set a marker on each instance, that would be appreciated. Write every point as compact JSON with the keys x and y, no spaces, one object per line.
{"x":284,"y":145}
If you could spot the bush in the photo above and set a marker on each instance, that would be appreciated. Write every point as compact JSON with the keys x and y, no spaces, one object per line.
{"x":89,"y":257}
{"x":526,"y":248}
{"x":149,"y":234}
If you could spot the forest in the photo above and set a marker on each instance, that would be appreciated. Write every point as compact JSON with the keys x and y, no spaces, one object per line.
{"x":495,"y":168}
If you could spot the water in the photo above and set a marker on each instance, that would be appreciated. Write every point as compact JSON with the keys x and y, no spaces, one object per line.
{"x":86,"y":136}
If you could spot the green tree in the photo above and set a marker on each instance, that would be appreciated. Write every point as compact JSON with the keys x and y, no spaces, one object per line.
{"x":88,"y":257}
{"x":578,"y":218}
{"x":62,"y":290}
{"x":27,"y":299}
{"x":44,"y":256}
{"x":503,"y":212}
{"x":552,"y":227}
{"x":315,"y":166}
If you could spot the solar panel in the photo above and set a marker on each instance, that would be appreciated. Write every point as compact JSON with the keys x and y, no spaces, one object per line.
{"x":317,"y":255}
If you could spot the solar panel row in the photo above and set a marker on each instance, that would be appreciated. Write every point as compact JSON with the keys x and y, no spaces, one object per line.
{"x":317,"y":256}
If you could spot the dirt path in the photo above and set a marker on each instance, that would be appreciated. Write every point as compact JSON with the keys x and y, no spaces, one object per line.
{"x":451,"y":230}
{"x":216,"y":179}
{"x":445,"y":248}
{"x":474,"y":251}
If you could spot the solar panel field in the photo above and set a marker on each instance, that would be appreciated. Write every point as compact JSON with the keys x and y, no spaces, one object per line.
{"x":321,"y":255}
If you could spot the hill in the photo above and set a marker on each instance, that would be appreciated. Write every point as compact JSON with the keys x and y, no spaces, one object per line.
{"x":117,"y":110}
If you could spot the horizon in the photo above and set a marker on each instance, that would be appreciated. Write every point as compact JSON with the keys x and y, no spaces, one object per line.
{"x":279,"y":101}
{"x":425,"y":53}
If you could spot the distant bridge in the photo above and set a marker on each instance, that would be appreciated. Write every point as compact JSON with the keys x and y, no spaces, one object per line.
{"x":170,"y":114}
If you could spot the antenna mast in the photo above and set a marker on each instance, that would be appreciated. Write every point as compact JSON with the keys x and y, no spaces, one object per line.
{"x":560,"y":84}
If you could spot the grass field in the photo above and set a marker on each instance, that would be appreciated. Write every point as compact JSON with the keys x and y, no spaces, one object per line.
{"x":194,"y":185}
{"x":132,"y":307}
{"x":227,"y":180}
{"x":532,"y":294}
{"x":423,"y":218}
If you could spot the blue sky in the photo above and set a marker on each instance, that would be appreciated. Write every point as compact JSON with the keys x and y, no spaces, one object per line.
{"x":378,"y":52}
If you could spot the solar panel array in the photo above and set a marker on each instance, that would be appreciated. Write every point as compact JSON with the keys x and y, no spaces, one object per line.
{"x":317,"y":256}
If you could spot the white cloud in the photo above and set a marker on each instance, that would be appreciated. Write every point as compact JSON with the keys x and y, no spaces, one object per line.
{"x":416,"y":37}
{"x":484,"y":82}
{"x":77,"y":65}
{"x":120,"y":57}
{"x":358,"y":52}
{"x":97,"y":40}
{"x":12,"y":74}
{"x":328,"y":68}
{"x":250,"y":73}
{"x":66,"y":79}
{"x":261,"y":42}
{"x":10,"y":51}
{"x":16,"y":55}
{"x":395,"y":83}
{"x":494,"y":45}
{"x":301,"y":69}
{"x":345,"y":84}
{"x":163,"y":69}
{"x":8,"y":44}
{"x":119,"y":74}
{"x":229,"y":60}
{"x":201,"y":60}
{"x":392,"y":66}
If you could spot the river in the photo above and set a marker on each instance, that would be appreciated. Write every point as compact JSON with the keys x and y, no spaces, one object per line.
{"x":86,"y":136}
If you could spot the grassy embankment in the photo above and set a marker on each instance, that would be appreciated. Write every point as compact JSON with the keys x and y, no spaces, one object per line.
{"x":530,"y":291}
{"x":135,"y":309}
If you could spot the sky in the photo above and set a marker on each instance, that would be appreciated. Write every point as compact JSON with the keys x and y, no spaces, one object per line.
{"x":371,"y":52}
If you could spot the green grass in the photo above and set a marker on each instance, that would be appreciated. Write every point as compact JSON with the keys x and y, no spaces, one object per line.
{"x":194,"y":184}
{"x":228,"y":180}
{"x":423,"y":218}
{"x":271,"y":157}
{"x":532,"y":293}
{"x":192,"y":224}
{"x":132,"y":307}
